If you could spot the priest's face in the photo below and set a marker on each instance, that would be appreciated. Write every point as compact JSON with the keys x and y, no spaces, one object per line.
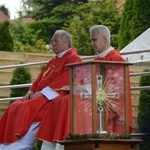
{"x":58,"y":45}
{"x":98,"y":41}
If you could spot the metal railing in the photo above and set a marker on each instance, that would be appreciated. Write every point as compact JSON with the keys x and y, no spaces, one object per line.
{"x":44,"y":62}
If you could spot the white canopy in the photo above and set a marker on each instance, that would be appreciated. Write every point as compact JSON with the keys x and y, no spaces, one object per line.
{"x":138,"y":51}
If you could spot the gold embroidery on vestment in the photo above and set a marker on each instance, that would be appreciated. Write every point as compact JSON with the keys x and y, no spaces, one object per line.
{"x":48,"y":72}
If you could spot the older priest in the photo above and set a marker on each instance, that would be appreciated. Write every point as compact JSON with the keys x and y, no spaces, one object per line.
{"x":23,"y":118}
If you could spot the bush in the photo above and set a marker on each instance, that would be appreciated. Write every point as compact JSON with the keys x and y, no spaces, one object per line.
{"x":20,"y":76}
{"x":6,"y":43}
{"x":144,"y":112}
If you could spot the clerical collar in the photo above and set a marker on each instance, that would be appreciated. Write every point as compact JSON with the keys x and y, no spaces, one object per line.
{"x":62,"y":53}
{"x":104,"y":53}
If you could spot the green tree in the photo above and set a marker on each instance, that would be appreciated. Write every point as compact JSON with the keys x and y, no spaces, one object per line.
{"x":53,"y":13}
{"x":31,"y":37}
{"x":40,"y":30}
{"x":144,"y":111}
{"x":135,"y":20}
{"x":22,"y":35}
{"x":89,"y":14}
{"x":6,"y":43}
{"x":20,"y":76}
{"x":141,"y":20}
{"x":124,"y":36}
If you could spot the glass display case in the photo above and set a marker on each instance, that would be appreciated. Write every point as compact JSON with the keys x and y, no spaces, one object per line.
{"x":100,"y":93}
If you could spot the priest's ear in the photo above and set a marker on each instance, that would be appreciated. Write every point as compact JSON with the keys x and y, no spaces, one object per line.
{"x":67,"y":44}
{"x":105,"y":39}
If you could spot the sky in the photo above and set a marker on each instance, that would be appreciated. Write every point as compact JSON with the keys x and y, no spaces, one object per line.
{"x":13,"y":7}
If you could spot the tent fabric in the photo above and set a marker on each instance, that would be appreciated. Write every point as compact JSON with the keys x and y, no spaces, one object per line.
{"x":139,"y":49}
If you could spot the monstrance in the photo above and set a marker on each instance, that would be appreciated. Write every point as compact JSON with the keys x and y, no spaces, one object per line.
{"x":99,"y":97}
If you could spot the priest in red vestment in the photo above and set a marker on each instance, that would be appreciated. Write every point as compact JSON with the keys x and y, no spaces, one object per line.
{"x":59,"y":128}
{"x":115,"y":114}
{"x":25,"y":116}
{"x":100,"y":42}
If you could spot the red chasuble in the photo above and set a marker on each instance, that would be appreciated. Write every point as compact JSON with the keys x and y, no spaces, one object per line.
{"x":115,"y":56}
{"x":19,"y":116}
{"x":56,"y":124}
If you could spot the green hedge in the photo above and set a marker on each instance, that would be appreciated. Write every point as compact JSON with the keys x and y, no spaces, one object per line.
{"x":144,"y":112}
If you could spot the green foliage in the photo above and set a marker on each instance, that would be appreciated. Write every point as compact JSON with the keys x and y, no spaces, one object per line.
{"x":124,"y":36}
{"x":37,"y":145}
{"x":53,"y":13}
{"x":141,"y":18}
{"x":6,"y":43}
{"x":39,"y":47}
{"x":145,"y":146}
{"x":96,"y":136}
{"x":144,"y":111}
{"x":46,"y":8}
{"x":20,"y":76}
{"x":22,"y":35}
{"x":58,"y":18}
{"x":40,"y":30}
{"x":89,"y":14}
{"x":31,"y":37}
{"x":135,"y":20}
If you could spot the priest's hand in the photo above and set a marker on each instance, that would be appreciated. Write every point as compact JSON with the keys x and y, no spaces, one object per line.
{"x":37,"y":94}
{"x":28,"y":96}
{"x":66,"y":87}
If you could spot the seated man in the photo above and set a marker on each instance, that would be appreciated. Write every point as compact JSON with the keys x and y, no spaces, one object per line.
{"x":100,"y":42}
{"x":24,"y":117}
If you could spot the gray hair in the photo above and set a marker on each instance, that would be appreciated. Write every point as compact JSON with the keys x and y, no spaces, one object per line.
{"x":103,"y":30}
{"x":65,"y":36}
